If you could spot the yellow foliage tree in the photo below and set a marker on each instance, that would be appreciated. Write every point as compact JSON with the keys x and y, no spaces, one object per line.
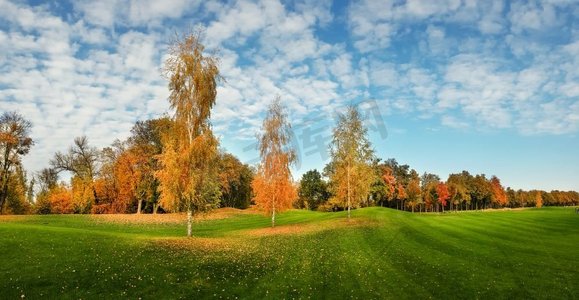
{"x":538,"y":200}
{"x":350,"y":169}
{"x":187,"y":177}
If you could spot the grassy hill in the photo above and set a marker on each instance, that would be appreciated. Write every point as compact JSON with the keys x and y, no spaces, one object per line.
{"x":380,"y":253}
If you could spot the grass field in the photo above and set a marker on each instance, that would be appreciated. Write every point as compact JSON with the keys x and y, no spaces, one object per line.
{"x":381,"y":253}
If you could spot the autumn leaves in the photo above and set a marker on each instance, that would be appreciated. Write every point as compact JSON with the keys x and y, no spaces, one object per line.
{"x":273,"y":185}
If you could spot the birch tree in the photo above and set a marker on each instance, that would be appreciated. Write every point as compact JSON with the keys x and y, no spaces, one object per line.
{"x":273,"y":184}
{"x":352,"y":155}
{"x":187,"y":176}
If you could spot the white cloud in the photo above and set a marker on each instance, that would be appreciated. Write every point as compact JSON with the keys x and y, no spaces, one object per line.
{"x":149,"y":13}
{"x":492,"y":21}
{"x":532,"y":16}
{"x":452,"y":122}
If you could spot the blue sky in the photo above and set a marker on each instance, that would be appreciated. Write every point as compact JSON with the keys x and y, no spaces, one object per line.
{"x":487,"y":86}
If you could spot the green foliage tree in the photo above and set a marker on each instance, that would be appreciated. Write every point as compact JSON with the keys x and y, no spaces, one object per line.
{"x":313,"y":190}
{"x":235,"y":180}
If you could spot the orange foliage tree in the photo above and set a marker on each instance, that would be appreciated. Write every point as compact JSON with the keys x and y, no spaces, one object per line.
{"x":401,"y":194}
{"x":499,"y":196}
{"x":273,"y":185}
{"x":389,"y":183}
{"x":128,"y":171}
{"x":60,"y":199}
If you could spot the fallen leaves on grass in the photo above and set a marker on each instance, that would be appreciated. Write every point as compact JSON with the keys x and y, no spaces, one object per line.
{"x":175,"y":218}
{"x":12,"y":218}
{"x":311,"y":227}
{"x":207,"y":246}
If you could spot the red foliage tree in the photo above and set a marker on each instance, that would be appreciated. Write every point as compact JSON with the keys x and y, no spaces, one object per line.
{"x":442,"y":193}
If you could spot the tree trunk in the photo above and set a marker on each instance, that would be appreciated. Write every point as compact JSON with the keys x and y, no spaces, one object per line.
{"x":348,"y":189}
{"x":3,"y":196}
{"x":189,"y":221}
{"x":139,"y":206}
{"x":155,"y":207}
{"x":273,"y":211}
{"x":5,"y":178}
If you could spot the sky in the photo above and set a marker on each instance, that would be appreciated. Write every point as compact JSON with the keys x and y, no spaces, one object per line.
{"x":486,"y":86}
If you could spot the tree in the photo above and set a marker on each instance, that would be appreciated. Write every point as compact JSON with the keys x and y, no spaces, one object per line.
{"x":60,"y":199}
{"x":429,"y":195}
{"x":401,"y":195}
{"x":273,"y":187}
{"x":389,"y":183}
{"x":47,"y":179}
{"x":15,"y":141}
{"x":442,"y":194}
{"x":235,"y":181}
{"x":511,"y":197}
{"x":313,"y":190}
{"x":428,"y":184}
{"x":82,"y":161}
{"x":188,"y":173}
{"x":128,"y":175}
{"x":146,"y":140}
{"x":17,"y":200}
{"x":351,"y":157}
{"x":480,"y":190}
{"x":414,"y":193}
{"x":499,"y":196}
{"x":538,"y":199}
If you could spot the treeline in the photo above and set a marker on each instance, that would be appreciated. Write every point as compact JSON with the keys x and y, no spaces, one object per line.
{"x":400,"y":187}
{"x":121,"y":179}
{"x":117,"y":179}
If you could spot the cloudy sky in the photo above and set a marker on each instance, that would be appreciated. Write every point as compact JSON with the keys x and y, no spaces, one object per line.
{"x":487,"y":86}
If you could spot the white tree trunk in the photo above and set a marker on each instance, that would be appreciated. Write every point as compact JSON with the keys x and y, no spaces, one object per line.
{"x":139,"y":206}
{"x":273,"y":212}
{"x":189,"y":221}
{"x":348,"y":190}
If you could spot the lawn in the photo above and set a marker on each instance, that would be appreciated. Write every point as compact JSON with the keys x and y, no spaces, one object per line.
{"x":380,"y":253}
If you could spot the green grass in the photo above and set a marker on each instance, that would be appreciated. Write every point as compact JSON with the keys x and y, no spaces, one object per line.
{"x":382,"y":253}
